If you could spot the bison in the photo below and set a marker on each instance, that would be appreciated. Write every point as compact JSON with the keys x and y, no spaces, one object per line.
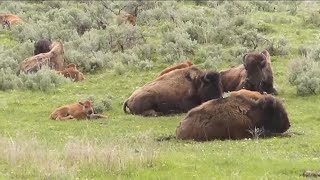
{"x":251,"y":94}
{"x":254,"y":74}
{"x":72,"y":72}
{"x":80,"y":110}
{"x":175,"y":92}
{"x":10,"y":20}
{"x":53,"y":59}
{"x":233,"y":118}
{"x":178,"y":66}
{"x":41,"y":46}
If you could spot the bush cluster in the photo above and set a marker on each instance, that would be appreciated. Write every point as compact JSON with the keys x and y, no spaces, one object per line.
{"x":305,"y":75}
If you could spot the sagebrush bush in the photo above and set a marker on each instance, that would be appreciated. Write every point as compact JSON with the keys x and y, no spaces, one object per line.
{"x":210,"y":56}
{"x":9,"y":80}
{"x":44,"y":80}
{"x":305,"y":75}
{"x":278,"y":47}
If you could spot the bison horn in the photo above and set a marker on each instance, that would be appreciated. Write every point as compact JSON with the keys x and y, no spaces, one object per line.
{"x":244,"y":58}
{"x":205,"y":78}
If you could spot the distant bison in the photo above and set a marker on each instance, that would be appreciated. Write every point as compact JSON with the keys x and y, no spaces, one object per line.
{"x":10,"y":20}
{"x":255,"y":74}
{"x":233,"y":118}
{"x":41,"y":46}
{"x":80,"y":110}
{"x":178,"y":66}
{"x":72,"y":72}
{"x":53,"y":59}
{"x":175,"y":92}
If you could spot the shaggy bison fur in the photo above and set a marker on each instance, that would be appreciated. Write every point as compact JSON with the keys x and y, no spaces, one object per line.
{"x":41,"y":46}
{"x":80,"y":110}
{"x":175,"y":92}
{"x":53,"y":59}
{"x":233,"y":118}
{"x":254,"y":74}
{"x":178,"y":66}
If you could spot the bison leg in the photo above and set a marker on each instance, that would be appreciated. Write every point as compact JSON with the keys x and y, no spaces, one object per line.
{"x":96,"y":116}
{"x":64,"y":117}
{"x":151,"y":112}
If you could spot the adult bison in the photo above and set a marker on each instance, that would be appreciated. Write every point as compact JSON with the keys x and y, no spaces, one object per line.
{"x":175,"y":92}
{"x":233,"y":118}
{"x":254,"y":74}
{"x":53,"y":59}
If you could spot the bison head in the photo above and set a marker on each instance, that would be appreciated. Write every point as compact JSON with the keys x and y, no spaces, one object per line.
{"x":254,"y":64}
{"x":210,"y":86}
{"x":275,"y":116}
{"x":87,"y":107}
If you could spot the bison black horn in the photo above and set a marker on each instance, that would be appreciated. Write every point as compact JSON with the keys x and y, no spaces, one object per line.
{"x":244,"y":58}
{"x":205,"y":78}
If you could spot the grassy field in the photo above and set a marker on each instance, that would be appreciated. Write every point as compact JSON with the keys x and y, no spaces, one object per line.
{"x":133,"y":147}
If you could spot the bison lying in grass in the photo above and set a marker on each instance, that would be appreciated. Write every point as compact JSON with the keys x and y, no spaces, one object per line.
{"x":254,"y":74}
{"x":72,"y":72}
{"x":80,"y":110}
{"x":178,"y":66}
{"x":175,"y":92}
{"x":233,"y":118}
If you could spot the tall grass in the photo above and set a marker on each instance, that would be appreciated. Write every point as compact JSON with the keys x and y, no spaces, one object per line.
{"x":30,"y":157}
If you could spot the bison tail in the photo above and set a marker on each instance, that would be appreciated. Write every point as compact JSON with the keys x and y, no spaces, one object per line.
{"x":125,"y":106}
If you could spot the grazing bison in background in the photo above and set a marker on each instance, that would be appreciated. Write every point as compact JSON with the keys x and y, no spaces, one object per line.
{"x":72,"y":72}
{"x":175,"y":92}
{"x":9,"y":20}
{"x":53,"y":59}
{"x":80,"y":110}
{"x":233,"y":118}
{"x":178,"y":66}
{"x":41,"y":46}
{"x":254,"y":74}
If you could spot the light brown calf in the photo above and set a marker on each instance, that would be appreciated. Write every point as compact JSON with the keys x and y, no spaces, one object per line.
{"x":72,"y":72}
{"x":178,"y":66}
{"x":80,"y":110}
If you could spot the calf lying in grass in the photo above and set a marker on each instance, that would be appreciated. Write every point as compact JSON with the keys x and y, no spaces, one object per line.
{"x":80,"y":110}
{"x":72,"y":72}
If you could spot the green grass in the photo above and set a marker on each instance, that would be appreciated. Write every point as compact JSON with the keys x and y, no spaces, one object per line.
{"x":127,"y":147}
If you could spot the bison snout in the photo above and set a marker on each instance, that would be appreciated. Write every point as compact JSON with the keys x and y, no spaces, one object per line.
{"x":90,"y":112}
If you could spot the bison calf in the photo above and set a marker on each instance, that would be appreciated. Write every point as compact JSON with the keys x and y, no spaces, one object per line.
{"x":72,"y":72}
{"x":80,"y":110}
{"x":233,"y":118}
{"x":175,"y":92}
{"x":179,"y":66}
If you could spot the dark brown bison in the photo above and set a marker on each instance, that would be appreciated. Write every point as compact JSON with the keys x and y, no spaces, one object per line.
{"x":41,"y":46}
{"x":175,"y":92}
{"x":178,"y":66}
{"x":53,"y":59}
{"x":233,"y":118}
{"x":254,"y":74}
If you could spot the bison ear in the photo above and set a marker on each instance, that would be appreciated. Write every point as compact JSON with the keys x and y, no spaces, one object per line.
{"x":81,"y":103}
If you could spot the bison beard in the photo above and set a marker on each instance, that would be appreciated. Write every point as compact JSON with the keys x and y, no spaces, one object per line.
{"x":233,"y":118}
{"x":175,"y":92}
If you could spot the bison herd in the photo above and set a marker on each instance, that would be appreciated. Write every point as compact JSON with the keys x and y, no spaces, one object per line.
{"x":184,"y":88}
